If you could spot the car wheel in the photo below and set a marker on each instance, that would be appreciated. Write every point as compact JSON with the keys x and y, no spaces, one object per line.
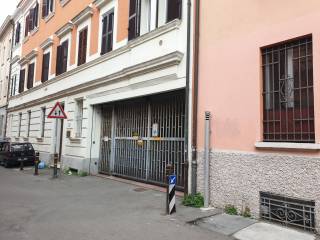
{"x":5,"y":164}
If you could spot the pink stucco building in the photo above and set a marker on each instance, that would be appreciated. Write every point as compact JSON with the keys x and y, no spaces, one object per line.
{"x":259,"y":76}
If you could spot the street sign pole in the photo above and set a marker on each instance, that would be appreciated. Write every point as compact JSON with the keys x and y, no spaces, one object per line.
{"x":57,"y":113}
{"x":55,"y":155}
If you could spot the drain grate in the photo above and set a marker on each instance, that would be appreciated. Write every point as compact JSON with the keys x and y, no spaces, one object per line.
{"x":140,"y":189}
{"x":288,"y":211}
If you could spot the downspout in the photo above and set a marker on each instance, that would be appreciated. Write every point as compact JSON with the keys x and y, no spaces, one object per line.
{"x":9,"y":80}
{"x":187,"y":92}
{"x":195,"y":98}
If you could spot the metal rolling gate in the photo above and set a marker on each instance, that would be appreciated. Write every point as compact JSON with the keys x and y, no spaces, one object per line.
{"x":140,"y":137}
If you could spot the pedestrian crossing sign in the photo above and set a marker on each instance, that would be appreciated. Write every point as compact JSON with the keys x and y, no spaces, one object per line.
{"x":57,"y":112}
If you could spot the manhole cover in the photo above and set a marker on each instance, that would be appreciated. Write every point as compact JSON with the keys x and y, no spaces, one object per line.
{"x":140,"y":189}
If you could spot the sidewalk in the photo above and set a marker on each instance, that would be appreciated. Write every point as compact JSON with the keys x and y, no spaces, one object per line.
{"x":249,"y":229}
{"x":212,"y":223}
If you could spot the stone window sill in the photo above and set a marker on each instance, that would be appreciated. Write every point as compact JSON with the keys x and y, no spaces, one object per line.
{"x":75,"y":140}
{"x":283,"y":145}
{"x":64,"y":2}
{"x":26,"y":39}
{"x":47,"y":18}
{"x":39,"y":139}
{"x":34,"y":31}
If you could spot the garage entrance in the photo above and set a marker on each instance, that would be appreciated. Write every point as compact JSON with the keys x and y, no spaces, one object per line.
{"x":140,"y":137}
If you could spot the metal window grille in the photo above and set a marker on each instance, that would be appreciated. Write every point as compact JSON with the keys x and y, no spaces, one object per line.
{"x":29,"y":124}
{"x":1,"y":124}
{"x":288,"y":211}
{"x":79,"y":118}
{"x":43,"y":121}
{"x":288,"y":92}
{"x":19,"y":126}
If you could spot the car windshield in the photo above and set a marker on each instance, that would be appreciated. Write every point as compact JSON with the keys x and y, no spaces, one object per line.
{"x":21,"y":147}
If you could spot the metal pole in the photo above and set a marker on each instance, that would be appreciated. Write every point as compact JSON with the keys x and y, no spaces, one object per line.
{"x":169,"y":171}
{"x":55,"y":136}
{"x":55,"y":156}
{"x":21,"y":164}
{"x":206,"y":159}
{"x":55,"y":165}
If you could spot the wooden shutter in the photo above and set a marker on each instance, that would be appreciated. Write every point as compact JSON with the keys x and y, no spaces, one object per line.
{"x":104,"y":35}
{"x":107,"y":33}
{"x":26,"y":30}
{"x":45,"y":67}
{"x":21,"y":80}
{"x":110,"y":32}
{"x":134,"y":19}
{"x":174,"y":9}
{"x":64,"y":56}
{"x":14,"y":85}
{"x":31,"y":17}
{"x":82,"y":52}
{"x":44,"y":8}
{"x":18,"y":29}
{"x":51,"y":5}
{"x":58,"y":63}
{"x":35,"y":15}
{"x":30,"y":76}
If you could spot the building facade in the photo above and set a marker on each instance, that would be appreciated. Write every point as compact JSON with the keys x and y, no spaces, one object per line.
{"x":5,"y":57}
{"x":118,"y":68}
{"x":259,"y":79}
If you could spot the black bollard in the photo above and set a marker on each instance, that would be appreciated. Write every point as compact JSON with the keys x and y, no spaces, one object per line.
{"x":21,"y":164}
{"x":36,"y":164}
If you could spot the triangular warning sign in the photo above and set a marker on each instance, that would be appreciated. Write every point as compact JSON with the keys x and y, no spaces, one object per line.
{"x":57,"y":112}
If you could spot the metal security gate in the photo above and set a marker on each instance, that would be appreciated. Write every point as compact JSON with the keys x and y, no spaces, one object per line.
{"x":140,"y":137}
{"x":106,"y":129}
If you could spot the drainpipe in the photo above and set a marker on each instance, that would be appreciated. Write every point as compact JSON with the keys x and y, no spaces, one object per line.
{"x":195,"y":98}
{"x":187,"y":91}
{"x":9,"y":80}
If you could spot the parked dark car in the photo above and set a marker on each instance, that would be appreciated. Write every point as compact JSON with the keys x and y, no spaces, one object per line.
{"x":11,"y":154}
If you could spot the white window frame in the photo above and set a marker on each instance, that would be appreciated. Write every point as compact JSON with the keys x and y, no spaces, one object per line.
{"x":67,"y":37}
{"x":82,"y":26}
{"x":112,"y":5}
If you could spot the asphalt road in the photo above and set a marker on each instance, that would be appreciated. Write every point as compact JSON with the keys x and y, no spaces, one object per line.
{"x":89,"y":208}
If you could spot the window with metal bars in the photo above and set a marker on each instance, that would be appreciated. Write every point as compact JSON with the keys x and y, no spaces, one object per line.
{"x":29,"y":124}
{"x":288,"y":92}
{"x":19,"y":124}
{"x":43,"y":121}
{"x":78,"y":118}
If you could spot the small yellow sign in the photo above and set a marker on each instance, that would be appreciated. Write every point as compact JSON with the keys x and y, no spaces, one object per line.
{"x":140,"y":142}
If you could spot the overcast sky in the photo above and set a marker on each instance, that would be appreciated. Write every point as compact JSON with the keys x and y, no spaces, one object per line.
{"x":7,"y":8}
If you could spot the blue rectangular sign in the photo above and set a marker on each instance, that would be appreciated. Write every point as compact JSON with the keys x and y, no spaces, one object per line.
{"x":173,"y":179}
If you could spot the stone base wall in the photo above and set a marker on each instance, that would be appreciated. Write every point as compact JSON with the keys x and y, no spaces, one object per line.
{"x":80,"y":164}
{"x":237,"y":179}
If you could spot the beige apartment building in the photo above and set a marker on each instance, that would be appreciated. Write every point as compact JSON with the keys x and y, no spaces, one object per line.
{"x":5,"y":58}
